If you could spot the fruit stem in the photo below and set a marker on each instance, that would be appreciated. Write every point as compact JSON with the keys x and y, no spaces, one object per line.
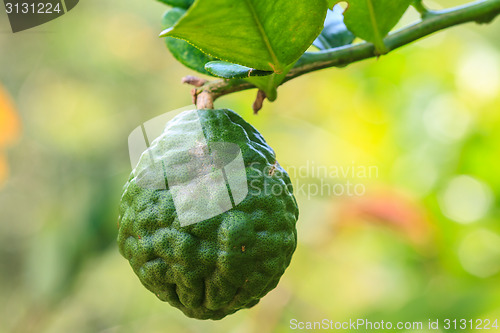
{"x":204,"y":100}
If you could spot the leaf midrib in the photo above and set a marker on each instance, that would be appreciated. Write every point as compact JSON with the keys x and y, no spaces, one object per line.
{"x":263,"y":34}
{"x":373,"y":19}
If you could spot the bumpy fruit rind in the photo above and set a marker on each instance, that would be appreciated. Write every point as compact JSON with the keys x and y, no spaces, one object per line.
{"x":228,"y":262}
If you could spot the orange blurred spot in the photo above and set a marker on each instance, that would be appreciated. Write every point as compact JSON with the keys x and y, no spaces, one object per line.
{"x":392,"y":209}
{"x":10,"y":127}
{"x":9,"y":121}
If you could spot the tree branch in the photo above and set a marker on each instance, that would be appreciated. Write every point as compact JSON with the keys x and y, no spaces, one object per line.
{"x":483,"y":11}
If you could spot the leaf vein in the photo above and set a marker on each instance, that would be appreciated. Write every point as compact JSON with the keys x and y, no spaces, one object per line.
{"x":373,"y":20}
{"x":263,"y":33}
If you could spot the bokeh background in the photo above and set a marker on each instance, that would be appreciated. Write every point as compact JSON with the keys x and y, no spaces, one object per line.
{"x":422,"y":242}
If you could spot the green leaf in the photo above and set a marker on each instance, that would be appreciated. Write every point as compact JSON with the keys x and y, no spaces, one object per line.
{"x":331,"y":3}
{"x":335,"y":33}
{"x":265,"y":35}
{"x":372,"y":20}
{"x":178,"y":3}
{"x":228,"y":70}
{"x":184,"y":52}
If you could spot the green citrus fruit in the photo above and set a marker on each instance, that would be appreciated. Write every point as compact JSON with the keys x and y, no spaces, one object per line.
{"x":192,"y":249}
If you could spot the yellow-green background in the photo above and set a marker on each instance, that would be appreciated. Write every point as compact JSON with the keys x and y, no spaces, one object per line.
{"x":423,"y":242}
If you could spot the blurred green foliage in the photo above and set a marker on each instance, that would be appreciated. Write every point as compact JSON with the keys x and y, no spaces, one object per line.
{"x":422,"y":242}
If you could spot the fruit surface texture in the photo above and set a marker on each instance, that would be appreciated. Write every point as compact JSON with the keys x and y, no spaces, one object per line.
{"x":209,"y":266}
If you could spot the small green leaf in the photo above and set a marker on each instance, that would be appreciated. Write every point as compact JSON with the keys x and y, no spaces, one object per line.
{"x":228,"y":70}
{"x":372,"y":20}
{"x":178,"y":3}
{"x":185,"y":53}
{"x":335,"y":33}
{"x":265,"y":35}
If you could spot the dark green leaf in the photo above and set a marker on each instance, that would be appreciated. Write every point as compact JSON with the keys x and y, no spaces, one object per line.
{"x":228,"y":70}
{"x":372,"y":20}
{"x":266,"y":35}
{"x":178,"y":3}
{"x":335,"y":33}
{"x":185,"y":53}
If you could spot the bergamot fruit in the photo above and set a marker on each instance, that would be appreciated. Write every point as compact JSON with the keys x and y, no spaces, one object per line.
{"x":207,"y":218}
